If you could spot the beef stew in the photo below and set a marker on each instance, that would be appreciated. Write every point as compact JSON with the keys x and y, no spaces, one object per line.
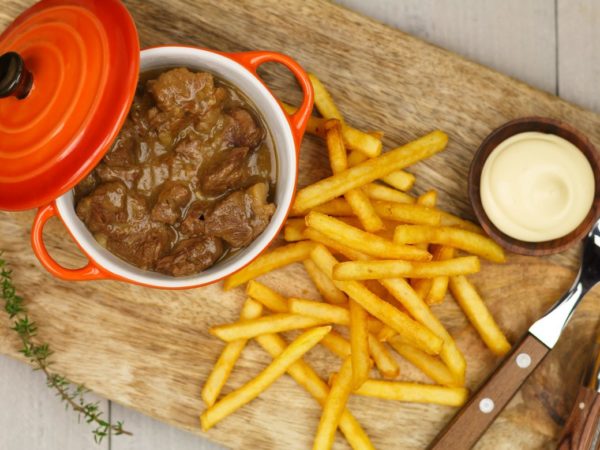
{"x":189,"y":179}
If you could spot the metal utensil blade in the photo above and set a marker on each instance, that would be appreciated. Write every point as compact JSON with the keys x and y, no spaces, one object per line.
{"x":548,"y":329}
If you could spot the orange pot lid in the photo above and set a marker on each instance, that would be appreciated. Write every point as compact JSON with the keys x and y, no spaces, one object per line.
{"x":77,"y":71}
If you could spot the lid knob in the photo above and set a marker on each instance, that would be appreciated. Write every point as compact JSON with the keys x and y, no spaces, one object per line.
{"x":15,"y":79}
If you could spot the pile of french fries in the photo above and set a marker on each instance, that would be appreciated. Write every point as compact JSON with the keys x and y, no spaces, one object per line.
{"x":379,"y":257}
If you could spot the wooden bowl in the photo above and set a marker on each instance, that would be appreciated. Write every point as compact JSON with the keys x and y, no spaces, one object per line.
{"x":543,"y":125}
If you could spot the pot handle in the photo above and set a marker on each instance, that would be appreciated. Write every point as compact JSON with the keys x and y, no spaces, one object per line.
{"x":298,"y":120}
{"x":88,"y":272}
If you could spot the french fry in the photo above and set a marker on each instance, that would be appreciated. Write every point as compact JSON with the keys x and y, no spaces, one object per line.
{"x":357,"y":199}
{"x":377,"y":191}
{"x":418,"y":309}
{"x":450,"y":220}
{"x":428,"y":199}
{"x":355,"y":158}
{"x":333,"y":408}
{"x":230,"y":354}
{"x":422,"y":286}
{"x":402,"y":324}
{"x":293,"y":230}
{"x":374,"y":325}
{"x":355,"y":139}
{"x":361,"y":240}
{"x":437,"y":291}
{"x":313,"y":125}
{"x":281,"y":256}
{"x":376,"y":288}
{"x":439,"y":285}
{"x":407,"y":213}
{"x":324,"y":285}
{"x":336,"y":344}
{"x":269,"y":324}
{"x":452,"y":237}
{"x":384,"y":361}
{"x":378,"y":328}
{"x":385,"y":334}
{"x":375,"y":270}
{"x":365,"y":143}
{"x":238,"y":398}
{"x":335,"y":146}
{"x":267,"y":297}
{"x":399,"y":179}
{"x":363,"y":209}
{"x":359,"y":343}
{"x":478,"y":314}
{"x":429,"y":365}
{"x":324,"y":312}
{"x":318,"y":237}
{"x":414,"y":392}
{"x":306,"y":377}
{"x":335,"y":207}
{"x":323,"y":100}
{"x":368,"y":171}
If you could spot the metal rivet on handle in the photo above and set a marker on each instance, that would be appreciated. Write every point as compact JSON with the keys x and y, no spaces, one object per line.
{"x":523,"y":360}
{"x":486,"y":405}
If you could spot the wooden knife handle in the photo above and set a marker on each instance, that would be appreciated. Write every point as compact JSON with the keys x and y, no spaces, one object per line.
{"x":465,"y":429}
{"x":582,"y":430}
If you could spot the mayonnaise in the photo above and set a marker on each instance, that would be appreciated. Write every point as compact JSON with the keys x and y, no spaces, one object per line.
{"x":536,"y":187}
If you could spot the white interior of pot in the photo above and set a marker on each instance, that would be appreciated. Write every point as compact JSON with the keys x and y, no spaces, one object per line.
{"x":279,"y":128}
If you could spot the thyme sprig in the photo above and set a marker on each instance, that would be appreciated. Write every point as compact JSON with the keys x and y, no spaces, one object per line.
{"x":39,"y":353}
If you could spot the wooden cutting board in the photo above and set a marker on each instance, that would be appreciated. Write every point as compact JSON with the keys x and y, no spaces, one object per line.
{"x":150,"y":350}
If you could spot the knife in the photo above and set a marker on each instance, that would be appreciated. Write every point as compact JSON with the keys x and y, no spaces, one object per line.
{"x":582,"y":429}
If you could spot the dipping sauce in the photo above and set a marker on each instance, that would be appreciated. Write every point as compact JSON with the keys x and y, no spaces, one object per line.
{"x":536,"y":187}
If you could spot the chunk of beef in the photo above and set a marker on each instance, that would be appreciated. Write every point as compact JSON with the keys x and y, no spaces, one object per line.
{"x":242,"y":130}
{"x":241,"y":216}
{"x":127,"y":174}
{"x":122,"y":151}
{"x":191,"y":256}
{"x":171,"y":200}
{"x":106,"y":205}
{"x":210,"y":122}
{"x":180,"y":90}
{"x":191,"y":148}
{"x":168,"y":127}
{"x":142,"y":245}
{"x":193,"y":223}
{"x":153,"y":175}
{"x":137,"y":208}
{"x":228,"y":171}
{"x":262,"y":211}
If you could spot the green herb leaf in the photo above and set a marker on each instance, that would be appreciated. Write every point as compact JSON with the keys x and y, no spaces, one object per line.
{"x":39,"y":354}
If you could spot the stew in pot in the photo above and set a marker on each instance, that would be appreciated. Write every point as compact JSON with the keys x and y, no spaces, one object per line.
{"x":189,"y":179}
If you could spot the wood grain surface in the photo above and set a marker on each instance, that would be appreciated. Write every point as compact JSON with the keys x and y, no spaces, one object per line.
{"x":150,"y":349}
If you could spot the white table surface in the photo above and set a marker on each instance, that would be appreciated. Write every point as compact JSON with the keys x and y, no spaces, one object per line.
{"x":553,"y":45}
